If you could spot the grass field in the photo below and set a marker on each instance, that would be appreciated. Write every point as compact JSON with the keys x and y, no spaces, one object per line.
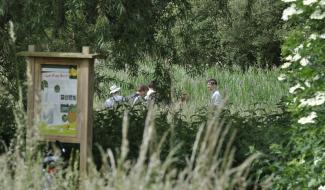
{"x":255,"y":88}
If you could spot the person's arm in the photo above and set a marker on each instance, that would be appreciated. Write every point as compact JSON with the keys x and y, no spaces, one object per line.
{"x":135,"y":101}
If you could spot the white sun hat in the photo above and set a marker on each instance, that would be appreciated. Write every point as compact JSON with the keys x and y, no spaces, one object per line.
{"x":114,"y":89}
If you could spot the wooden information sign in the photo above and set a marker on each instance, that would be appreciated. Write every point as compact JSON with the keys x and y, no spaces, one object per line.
{"x":60,"y":98}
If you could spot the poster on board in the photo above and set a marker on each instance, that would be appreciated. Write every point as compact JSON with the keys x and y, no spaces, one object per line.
{"x":58,"y":100}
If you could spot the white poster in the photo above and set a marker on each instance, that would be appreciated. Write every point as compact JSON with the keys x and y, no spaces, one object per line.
{"x":59,"y":100}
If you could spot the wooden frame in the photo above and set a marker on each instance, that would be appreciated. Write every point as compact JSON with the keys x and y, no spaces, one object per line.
{"x":85,"y":72}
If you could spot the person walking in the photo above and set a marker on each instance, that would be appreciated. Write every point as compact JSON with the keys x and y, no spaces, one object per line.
{"x":138,"y":97}
{"x":151,"y":93}
{"x":216,"y":98}
{"x":115,"y":98}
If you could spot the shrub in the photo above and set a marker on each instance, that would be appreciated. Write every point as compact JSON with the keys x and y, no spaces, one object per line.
{"x":299,"y":163}
{"x":255,"y":131}
{"x":207,"y":166}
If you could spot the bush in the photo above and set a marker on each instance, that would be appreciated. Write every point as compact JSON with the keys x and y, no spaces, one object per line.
{"x":299,"y":163}
{"x":207,"y":165}
{"x":255,"y":131}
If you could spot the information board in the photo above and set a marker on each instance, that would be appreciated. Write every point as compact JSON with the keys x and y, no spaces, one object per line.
{"x":58,"y":100}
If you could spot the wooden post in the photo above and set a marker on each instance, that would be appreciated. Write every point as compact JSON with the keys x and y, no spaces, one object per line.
{"x":31,"y":48}
{"x":86,"y":100}
{"x":85,"y":49}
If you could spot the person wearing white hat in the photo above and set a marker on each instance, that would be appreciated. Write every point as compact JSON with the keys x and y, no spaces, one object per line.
{"x":115,"y":98}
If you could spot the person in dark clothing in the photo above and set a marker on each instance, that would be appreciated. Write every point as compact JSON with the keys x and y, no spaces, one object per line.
{"x":138,"y":97}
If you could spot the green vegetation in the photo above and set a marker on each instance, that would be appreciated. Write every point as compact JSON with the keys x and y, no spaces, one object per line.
{"x":268,"y":136}
{"x":208,"y":164}
{"x":254,"y":89}
{"x":299,"y":163}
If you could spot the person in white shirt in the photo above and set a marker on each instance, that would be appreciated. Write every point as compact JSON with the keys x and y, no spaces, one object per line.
{"x":115,"y":98}
{"x":216,"y":98}
{"x":151,"y":93}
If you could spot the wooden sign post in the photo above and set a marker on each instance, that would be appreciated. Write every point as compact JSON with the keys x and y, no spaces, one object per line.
{"x":60,"y":98}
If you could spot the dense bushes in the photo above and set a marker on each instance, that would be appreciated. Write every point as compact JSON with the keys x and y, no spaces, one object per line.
{"x":255,"y":131}
{"x":108,"y":130}
{"x":208,"y":166}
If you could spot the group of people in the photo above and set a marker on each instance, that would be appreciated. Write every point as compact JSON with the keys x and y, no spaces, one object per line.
{"x":143,"y":95}
{"x":146,"y":93}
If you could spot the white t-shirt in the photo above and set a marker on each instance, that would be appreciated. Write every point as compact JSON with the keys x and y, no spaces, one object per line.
{"x":110,"y":102}
{"x":150,"y":91}
{"x":216,"y":98}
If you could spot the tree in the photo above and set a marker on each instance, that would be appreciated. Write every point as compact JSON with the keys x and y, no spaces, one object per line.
{"x":230,"y":32}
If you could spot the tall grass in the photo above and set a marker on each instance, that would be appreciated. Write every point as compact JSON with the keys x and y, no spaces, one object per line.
{"x":208,"y":167}
{"x":255,"y":88}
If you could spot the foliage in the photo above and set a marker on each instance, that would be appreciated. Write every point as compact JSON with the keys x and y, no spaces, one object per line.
{"x":196,"y":35}
{"x":7,"y":125}
{"x":108,"y":130}
{"x":256,"y":130}
{"x":188,"y":33}
{"x":10,"y":79}
{"x":163,"y":80}
{"x":255,"y":88}
{"x":229,"y":32}
{"x":299,"y":163}
{"x":21,"y":169}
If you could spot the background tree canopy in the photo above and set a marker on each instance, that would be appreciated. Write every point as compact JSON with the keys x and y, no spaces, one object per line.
{"x":195,"y":34}
{"x":190,"y":33}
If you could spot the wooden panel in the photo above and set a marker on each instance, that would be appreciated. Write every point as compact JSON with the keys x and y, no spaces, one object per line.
{"x":90,"y":108}
{"x":63,"y":139}
{"x":57,"y":55}
{"x":86,"y":92}
{"x":58,"y":61}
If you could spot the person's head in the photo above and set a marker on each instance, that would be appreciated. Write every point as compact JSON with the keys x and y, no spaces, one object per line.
{"x":152,"y":85}
{"x":142,"y":90}
{"x":212,"y":84}
{"x":114,"y":89}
